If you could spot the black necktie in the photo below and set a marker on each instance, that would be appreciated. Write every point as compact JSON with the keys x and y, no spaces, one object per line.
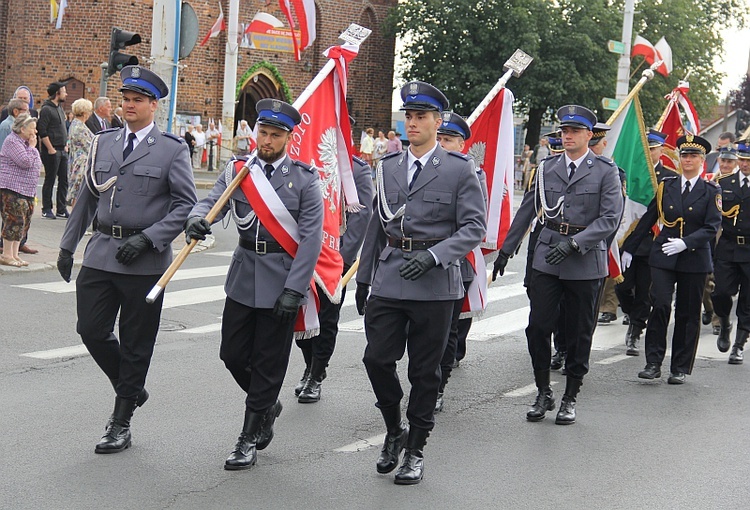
{"x":416,"y":173}
{"x":572,"y":167}
{"x":686,"y":192}
{"x":744,"y":184}
{"x":128,"y":147}
{"x":269,"y":170}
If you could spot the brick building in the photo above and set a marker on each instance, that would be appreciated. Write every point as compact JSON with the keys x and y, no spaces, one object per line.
{"x":34,"y":53}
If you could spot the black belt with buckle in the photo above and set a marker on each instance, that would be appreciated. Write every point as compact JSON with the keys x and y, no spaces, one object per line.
{"x":261,"y":247}
{"x":739,"y":239}
{"x":565,"y":229}
{"x":116,"y":231}
{"x":410,"y":244}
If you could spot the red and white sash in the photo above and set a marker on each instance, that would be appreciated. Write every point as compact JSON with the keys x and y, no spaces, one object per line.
{"x":475,"y":301}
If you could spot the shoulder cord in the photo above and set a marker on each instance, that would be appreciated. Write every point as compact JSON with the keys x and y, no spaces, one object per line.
{"x":660,"y":208}
{"x":386,"y":215}
{"x":242,"y":222}
{"x":549,"y":212}
{"x":98,"y":189}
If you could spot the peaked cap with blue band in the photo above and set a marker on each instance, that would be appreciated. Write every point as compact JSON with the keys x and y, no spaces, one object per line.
{"x":743,"y":149}
{"x":277,"y":113}
{"x":656,"y":138}
{"x":728,"y":152}
{"x":143,"y":81}
{"x":555,"y":142}
{"x":599,"y":132}
{"x":454,"y":125}
{"x":576,"y":116}
{"x":418,"y":95}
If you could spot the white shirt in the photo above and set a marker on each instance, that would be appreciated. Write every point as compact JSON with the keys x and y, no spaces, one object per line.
{"x":275,"y":164}
{"x":139,"y":135}
{"x":200,"y":138}
{"x":577,"y":162}
{"x":412,"y":159}
{"x":692,"y":182}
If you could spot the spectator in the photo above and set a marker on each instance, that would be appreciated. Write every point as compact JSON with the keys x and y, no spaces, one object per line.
{"x":381,"y":143}
{"x":190,"y":139}
{"x":68,"y":120}
{"x":394,"y":143}
{"x":100,"y":120}
{"x":79,"y":145}
{"x":117,"y":121}
{"x":20,"y":166}
{"x":367,"y":146}
{"x":22,"y":92}
{"x":212,"y":138}
{"x":541,"y":151}
{"x":244,"y":136}
{"x":16,"y":107}
{"x":200,"y":144}
{"x":54,"y":138}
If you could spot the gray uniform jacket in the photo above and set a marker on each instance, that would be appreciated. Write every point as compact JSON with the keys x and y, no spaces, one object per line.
{"x":356,"y":223}
{"x":593,"y":199}
{"x":154,"y":191}
{"x":256,"y":280}
{"x":445,"y":203}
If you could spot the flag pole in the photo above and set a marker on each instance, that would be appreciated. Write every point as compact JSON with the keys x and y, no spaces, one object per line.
{"x":515,"y":66}
{"x":672,"y":99}
{"x":647,"y":75}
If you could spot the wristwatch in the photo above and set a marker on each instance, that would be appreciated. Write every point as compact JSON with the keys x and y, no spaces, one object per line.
{"x":574,"y":244}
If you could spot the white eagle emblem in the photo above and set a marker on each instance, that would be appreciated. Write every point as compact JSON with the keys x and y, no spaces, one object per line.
{"x":476,"y":152}
{"x":329,"y":174}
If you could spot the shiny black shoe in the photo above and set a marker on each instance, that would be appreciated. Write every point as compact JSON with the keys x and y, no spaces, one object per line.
{"x":722,"y":343}
{"x":626,"y":320}
{"x":392,"y":446}
{"x":607,"y":317}
{"x":545,"y":401}
{"x":706,"y":318}
{"x":567,"y":413}
{"x":244,"y":454}
{"x":439,"y":402}
{"x":676,"y":378}
{"x":117,"y":436}
{"x":411,"y":470}
{"x":736,"y":357}
{"x":265,"y":434}
{"x":652,"y":371}
{"x":302,"y":381}
{"x":557,"y":360}
{"x":311,"y":391}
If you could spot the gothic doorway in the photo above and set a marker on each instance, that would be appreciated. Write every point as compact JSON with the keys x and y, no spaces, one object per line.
{"x":260,"y":84}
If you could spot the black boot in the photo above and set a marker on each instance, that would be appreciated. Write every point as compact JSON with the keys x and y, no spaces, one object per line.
{"x":735,"y":357}
{"x":311,"y":391}
{"x":544,"y":399}
{"x":631,"y":341}
{"x":557,"y":360}
{"x":117,"y":436}
{"x":412,"y":467}
{"x":726,"y":330}
{"x":441,"y":391}
{"x":440,"y":402}
{"x":567,"y":413}
{"x":395,"y":439}
{"x":265,"y":434}
{"x":244,"y":455}
{"x":142,"y":396}
{"x":302,"y":381}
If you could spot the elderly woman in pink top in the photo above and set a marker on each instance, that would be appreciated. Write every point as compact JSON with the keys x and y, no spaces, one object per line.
{"x":20,"y":166}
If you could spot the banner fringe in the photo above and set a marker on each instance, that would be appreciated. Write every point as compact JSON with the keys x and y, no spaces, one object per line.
{"x":307,"y":334}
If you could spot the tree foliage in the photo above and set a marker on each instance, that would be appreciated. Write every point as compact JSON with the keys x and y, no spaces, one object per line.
{"x":460,"y":47}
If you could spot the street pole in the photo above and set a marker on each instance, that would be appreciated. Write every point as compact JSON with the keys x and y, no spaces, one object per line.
{"x":103,"y":80}
{"x":623,"y":66}
{"x":230,"y":82}
{"x":163,"y":38}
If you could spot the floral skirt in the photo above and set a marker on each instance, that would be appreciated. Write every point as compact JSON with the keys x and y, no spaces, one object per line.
{"x":16,"y":211}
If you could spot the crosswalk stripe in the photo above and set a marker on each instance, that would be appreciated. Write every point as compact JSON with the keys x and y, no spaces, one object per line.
{"x":523,"y":391}
{"x":194,"y":296}
{"x":499,"y":325}
{"x":362,"y":444}
{"x":202,"y":330}
{"x":63,"y":352}
{"x":613,"y":359}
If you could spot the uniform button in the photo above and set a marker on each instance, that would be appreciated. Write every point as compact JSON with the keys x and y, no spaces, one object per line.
{"x":122,"y":172}
{"x":117,"y":205}
{"x":567,"y":205}
{"x":116,"y":222}
{"x":409,"y":199}
{"x":119,"y":188}
{"x":408,"y":217}
{"x":147,"y":171}
{"x":671,"y":207}
{"x":568,"y":191}
{"x":690,"y":208}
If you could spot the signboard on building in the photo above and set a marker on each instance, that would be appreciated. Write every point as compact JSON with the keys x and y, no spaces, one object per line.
{"x":266,"y":32}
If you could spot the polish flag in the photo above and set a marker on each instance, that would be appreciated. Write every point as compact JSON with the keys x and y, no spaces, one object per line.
{"x":305,"y":11}
{"x":263,"y":22}
{"x":651,"y":53}
{"x":216,"y":28}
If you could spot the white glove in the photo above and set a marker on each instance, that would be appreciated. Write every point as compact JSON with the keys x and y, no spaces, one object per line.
{"x":673,"y":246}
{"x":626,"y":260}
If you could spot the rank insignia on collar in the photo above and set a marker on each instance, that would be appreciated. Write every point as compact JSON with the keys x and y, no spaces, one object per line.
{"x":285,"y":170}
{"x":589,"y":162}
{"x":117,"y":138}
{"x":435,"y":161}
{"x":400,"y":160}
{"x":135,"y":72}
{"x":151,"y":140}
{"x":276,"y":106}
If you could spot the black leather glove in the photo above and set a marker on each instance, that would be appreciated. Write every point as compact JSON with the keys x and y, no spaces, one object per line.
{"x":498,"y":268}
{"x":196,"y":228}
{"x":347,"y":267}
{"x":360,"y":297}
{"x":287,"y":305}
{"x":417,"y":266}
{"x":65,"y":264}
{"x":559,"y":252}
{"x":132,"y":248}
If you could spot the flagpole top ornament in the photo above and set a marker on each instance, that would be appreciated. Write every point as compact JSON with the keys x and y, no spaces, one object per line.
{"x":649,"y":73}
{"x":355,"y":34}
{"x":518,"y":62}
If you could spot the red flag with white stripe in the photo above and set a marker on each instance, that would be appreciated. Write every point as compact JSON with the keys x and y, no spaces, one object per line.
{"x":652,"y":53}
{"x":305,"y":11}
{"x":216,"y":28}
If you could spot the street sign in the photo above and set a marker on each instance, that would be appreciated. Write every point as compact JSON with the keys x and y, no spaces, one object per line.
{"x":616,"y":47}
{"x":189,"y":29}
{"x":610,"y":104}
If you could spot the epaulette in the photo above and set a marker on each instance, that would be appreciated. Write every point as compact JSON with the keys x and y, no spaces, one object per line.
{"x":390,"y":155}
{"x":304,"y":166}
{"x":461,"y":155}
{"x":670,"y":177}
{"x":606,"y":160}
{"x":173,"y":136}
{"x":714,"y":184}
{"x":553,"y":156}
{"x":362,"y":162}
{"x":720,"y":177}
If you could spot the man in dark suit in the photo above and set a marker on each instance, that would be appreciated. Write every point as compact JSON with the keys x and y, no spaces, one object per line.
{"x":117,"y":118}
{"x":689,"y":209}
{"x":139,"y":190}
{"x":99,"y":121}
{"x":580,"y":196}
{"x":430,"y":213}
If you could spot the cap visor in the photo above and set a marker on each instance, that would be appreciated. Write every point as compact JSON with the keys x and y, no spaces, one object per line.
{"x":420,"y":107}
{"x":269,"y":122}
{"x":139,"y":90}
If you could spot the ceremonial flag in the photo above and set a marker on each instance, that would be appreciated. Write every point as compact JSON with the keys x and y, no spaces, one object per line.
{"x":323,"y":140}
{"x":61,"y":13}
{"x":262,"y":22}
{"x":627,"y":145}
{"x":652,"y":53}
{"x":305,"y":11}
{"x":491,"y":146}
{"x":221,"y":131}
{"x":216,"y":28}
{"x":672,"y":124}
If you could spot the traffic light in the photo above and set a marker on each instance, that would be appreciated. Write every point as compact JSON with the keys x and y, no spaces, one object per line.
{"x":121,"y":38}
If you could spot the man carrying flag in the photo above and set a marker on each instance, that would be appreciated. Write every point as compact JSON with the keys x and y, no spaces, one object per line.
{"x":279,"y":215}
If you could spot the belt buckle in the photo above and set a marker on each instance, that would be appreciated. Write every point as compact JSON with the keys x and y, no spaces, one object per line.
{"x":563,"y":228}
{"x":260,"y":247}
{"x":406,"y":244}
{"x":116,"y":231}
{"x":740,"y":239}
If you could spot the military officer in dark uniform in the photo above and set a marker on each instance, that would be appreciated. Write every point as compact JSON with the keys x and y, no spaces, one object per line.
{"x":318,"y":350}
{"x":580,"y":197}
{"x":430,"y":213}
{"x":732,"y":254}
{"x":265,"y":283}
{"x":139,"y":190}
{"x":452,"y":136}
{"x":633,"y":292}
{"x":689,"y":209}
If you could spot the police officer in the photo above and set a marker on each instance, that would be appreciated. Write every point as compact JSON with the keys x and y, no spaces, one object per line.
{"x":265,"y":284}
{"x":317,"y":351}
{"x":580,"y":196}
{"x":633,"y":292}
{"x":689,"y":209}
{"x":732,"y":254}
{"x":139,"y":190}
{"x":452,"y":136}
{"x":430,"y":213}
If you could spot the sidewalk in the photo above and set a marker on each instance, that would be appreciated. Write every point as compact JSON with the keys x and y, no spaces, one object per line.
{"x":44,"y":235}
